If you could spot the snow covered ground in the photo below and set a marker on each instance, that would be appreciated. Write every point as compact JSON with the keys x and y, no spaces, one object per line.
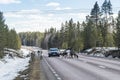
{"x":10,"y":67}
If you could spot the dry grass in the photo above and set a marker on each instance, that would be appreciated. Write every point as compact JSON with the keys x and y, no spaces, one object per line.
{"x":23,"y":75}
{"x":35,"y":71}
{"x":32,"y":73}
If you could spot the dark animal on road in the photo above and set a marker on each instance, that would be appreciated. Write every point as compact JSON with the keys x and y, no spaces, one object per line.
{"x":64,"y":54}
{"x":73,"y":54}
{"x":69,"y":53}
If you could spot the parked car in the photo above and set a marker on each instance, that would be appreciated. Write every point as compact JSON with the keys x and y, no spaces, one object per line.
{"x":53,"y":52}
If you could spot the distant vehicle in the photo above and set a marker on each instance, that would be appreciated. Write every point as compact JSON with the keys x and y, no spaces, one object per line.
{"x":53,"y":52}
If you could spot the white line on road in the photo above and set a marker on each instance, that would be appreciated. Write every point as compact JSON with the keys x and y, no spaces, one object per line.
{"x":102,"y":66}
{"x":59,"y":78}
{"x":56,"y":75}
{"x":53,"y":71}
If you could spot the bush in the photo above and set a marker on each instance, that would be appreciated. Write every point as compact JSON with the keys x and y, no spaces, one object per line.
{"x":1,"y":54}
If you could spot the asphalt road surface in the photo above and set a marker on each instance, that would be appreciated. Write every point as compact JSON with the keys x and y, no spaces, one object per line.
{"x":83,"y":68}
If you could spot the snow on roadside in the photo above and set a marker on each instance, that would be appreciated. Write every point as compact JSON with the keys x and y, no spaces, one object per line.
{"x":25,"y":52}
{"x":10,"y":67}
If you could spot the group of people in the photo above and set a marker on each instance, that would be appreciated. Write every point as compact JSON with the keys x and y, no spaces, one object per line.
{"x":69,"y":53}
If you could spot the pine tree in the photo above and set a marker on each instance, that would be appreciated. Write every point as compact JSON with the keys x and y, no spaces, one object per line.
{"x":109,"y":8}
{"x":66,"y":35}
{"x":2,"y":33}
{"x":62,"y":36}
{"x":105,"y":7}
{"x":95,"y":13}
{"x":106,"y":12}
{"x":96,"y":18}
{"x":14,"y":40}
{"x":89,"y":35}
{"x":8,"y":38}
{"x":117,"y":34}
{"x":71,"y":35}
{"x":79,"y":38}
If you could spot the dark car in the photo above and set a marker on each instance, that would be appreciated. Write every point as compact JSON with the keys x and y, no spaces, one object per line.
{"x":53,"y":52}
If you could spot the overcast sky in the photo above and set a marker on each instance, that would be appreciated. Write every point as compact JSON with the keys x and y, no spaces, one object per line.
{"x":38,"y":15}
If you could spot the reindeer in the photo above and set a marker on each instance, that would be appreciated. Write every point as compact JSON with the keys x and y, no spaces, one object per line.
{"x":69,"y":53}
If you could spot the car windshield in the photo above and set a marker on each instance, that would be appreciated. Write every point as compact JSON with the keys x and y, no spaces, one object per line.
{"x":53,"y":49}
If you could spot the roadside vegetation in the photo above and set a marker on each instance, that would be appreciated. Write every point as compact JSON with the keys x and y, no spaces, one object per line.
{"x":100,"y":29}
{"x":27,"y":73}
{"x":31,"y":38}
{"x":8,"y":37}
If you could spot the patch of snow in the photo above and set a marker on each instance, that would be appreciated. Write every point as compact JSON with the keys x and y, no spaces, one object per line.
{"x":10,"y":67}
{"x":100,"y":55}
{"x":88,"y":50}
{"x":25,"y":52}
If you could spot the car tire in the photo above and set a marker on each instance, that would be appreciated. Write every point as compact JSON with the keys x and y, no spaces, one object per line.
{"x":49,"y":56}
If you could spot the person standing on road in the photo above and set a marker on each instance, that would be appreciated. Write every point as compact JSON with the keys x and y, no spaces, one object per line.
{"x":40,"y":54}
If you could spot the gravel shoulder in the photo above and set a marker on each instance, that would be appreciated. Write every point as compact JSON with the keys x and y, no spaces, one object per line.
{"x":33,"y":72}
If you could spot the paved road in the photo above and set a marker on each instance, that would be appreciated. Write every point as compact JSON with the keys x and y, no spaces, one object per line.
{"x":84,"y":68}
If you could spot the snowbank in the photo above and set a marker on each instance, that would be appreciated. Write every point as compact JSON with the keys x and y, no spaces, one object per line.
{"x":10,"y":67}
{"x":25,"y":52}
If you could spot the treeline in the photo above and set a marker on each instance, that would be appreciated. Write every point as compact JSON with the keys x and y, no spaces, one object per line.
{"x":100,"y":29}
{"x":8,"y":38}
{"x":31,"y":38}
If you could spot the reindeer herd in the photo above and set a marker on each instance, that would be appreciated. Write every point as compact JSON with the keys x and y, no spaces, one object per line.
{"x":69,"y":53}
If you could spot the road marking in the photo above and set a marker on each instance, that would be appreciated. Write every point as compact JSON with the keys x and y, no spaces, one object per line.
{"x":53,"y":71}
{"x":59,"y":78}
{"x":56,"y":75}
{"x":102,"y":66}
